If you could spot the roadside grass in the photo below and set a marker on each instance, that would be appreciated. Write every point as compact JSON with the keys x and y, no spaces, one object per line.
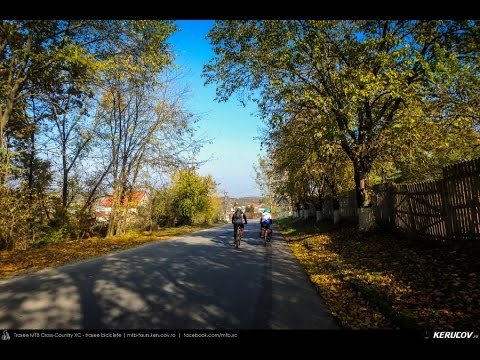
{"x":56,"y":254}
{"x":385,"y":281}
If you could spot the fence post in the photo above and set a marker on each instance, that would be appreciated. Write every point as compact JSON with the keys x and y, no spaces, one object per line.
{"x":389,"y":206}
{"x":411,"y":190}
{"x":476,"y":195}
{"x":446,"y":209}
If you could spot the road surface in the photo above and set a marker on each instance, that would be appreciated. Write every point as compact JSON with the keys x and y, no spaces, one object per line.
{"x":196,"y":281}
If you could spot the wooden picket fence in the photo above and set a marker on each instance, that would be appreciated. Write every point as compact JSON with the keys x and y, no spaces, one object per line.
{"x":443,"y":209}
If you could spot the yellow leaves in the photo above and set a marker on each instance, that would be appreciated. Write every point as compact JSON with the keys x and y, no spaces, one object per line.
{"x":18,"y":261}
{"x":380,"y":281}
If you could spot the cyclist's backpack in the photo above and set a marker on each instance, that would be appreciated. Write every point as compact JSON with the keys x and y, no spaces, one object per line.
{"x":237,"y":217}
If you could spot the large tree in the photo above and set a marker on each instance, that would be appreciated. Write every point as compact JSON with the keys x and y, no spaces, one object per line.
{"x":194,"y":197}
{"x":263,"y":177}
{"x":40,"y":54}
{"x":308,"y":167}
{"x":368,"y":79}
{"x":142,"y":126}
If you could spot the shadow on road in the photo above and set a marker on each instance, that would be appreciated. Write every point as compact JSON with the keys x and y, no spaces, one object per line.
{"x":197,"y":281}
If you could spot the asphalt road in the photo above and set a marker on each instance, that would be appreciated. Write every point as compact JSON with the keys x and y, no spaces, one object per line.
{"x":197,"y":281}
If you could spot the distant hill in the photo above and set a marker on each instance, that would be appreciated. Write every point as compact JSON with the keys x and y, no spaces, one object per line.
{"x":246,"y":200}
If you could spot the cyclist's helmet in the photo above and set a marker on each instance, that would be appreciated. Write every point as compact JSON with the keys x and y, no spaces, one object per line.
{"x":266,"y":210}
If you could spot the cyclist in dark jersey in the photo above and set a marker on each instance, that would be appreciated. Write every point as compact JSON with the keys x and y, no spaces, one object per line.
{"x":238,"y":219}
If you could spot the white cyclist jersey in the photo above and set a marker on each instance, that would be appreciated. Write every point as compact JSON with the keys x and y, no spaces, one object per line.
{"x":266,"y":216}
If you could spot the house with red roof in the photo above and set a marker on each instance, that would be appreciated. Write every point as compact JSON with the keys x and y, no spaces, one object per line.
{"x":132,"y":200}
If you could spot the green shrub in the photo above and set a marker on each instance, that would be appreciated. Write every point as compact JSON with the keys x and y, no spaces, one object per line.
{"x":52,"y":236}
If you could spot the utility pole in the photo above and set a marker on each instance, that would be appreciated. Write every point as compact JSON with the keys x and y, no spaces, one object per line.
{"x":225,"y":204}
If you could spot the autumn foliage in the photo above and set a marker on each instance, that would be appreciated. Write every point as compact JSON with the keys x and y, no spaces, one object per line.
{"x":380,"y":281}
{"x":41,"y":257}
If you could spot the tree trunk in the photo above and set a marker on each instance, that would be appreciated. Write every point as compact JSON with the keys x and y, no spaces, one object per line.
{"x":122,"y":220}
{"x":318,"y":209}
{"x":336,"y":208}
{"x":114,"y":214}
{"x":361,"y":173}
{"x":3,"y":124}
{"x":30,"y":166}
{"x":306,"y":210}
{"x":335,"y":202}
{"x":5,"y":113}
{"x":366,"y":219}
{"x":93,"y":191}
{"x":111,"y":222}
{"x":65,"y":180}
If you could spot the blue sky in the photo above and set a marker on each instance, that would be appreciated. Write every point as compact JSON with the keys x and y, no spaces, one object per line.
{"x":231,"y":126}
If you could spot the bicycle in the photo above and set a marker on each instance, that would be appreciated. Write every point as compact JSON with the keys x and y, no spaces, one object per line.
{"x":238,"y":236}
{"x":266,"y":235}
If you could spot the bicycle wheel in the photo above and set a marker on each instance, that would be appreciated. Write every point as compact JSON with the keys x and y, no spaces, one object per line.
{"x":237,"y":238}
